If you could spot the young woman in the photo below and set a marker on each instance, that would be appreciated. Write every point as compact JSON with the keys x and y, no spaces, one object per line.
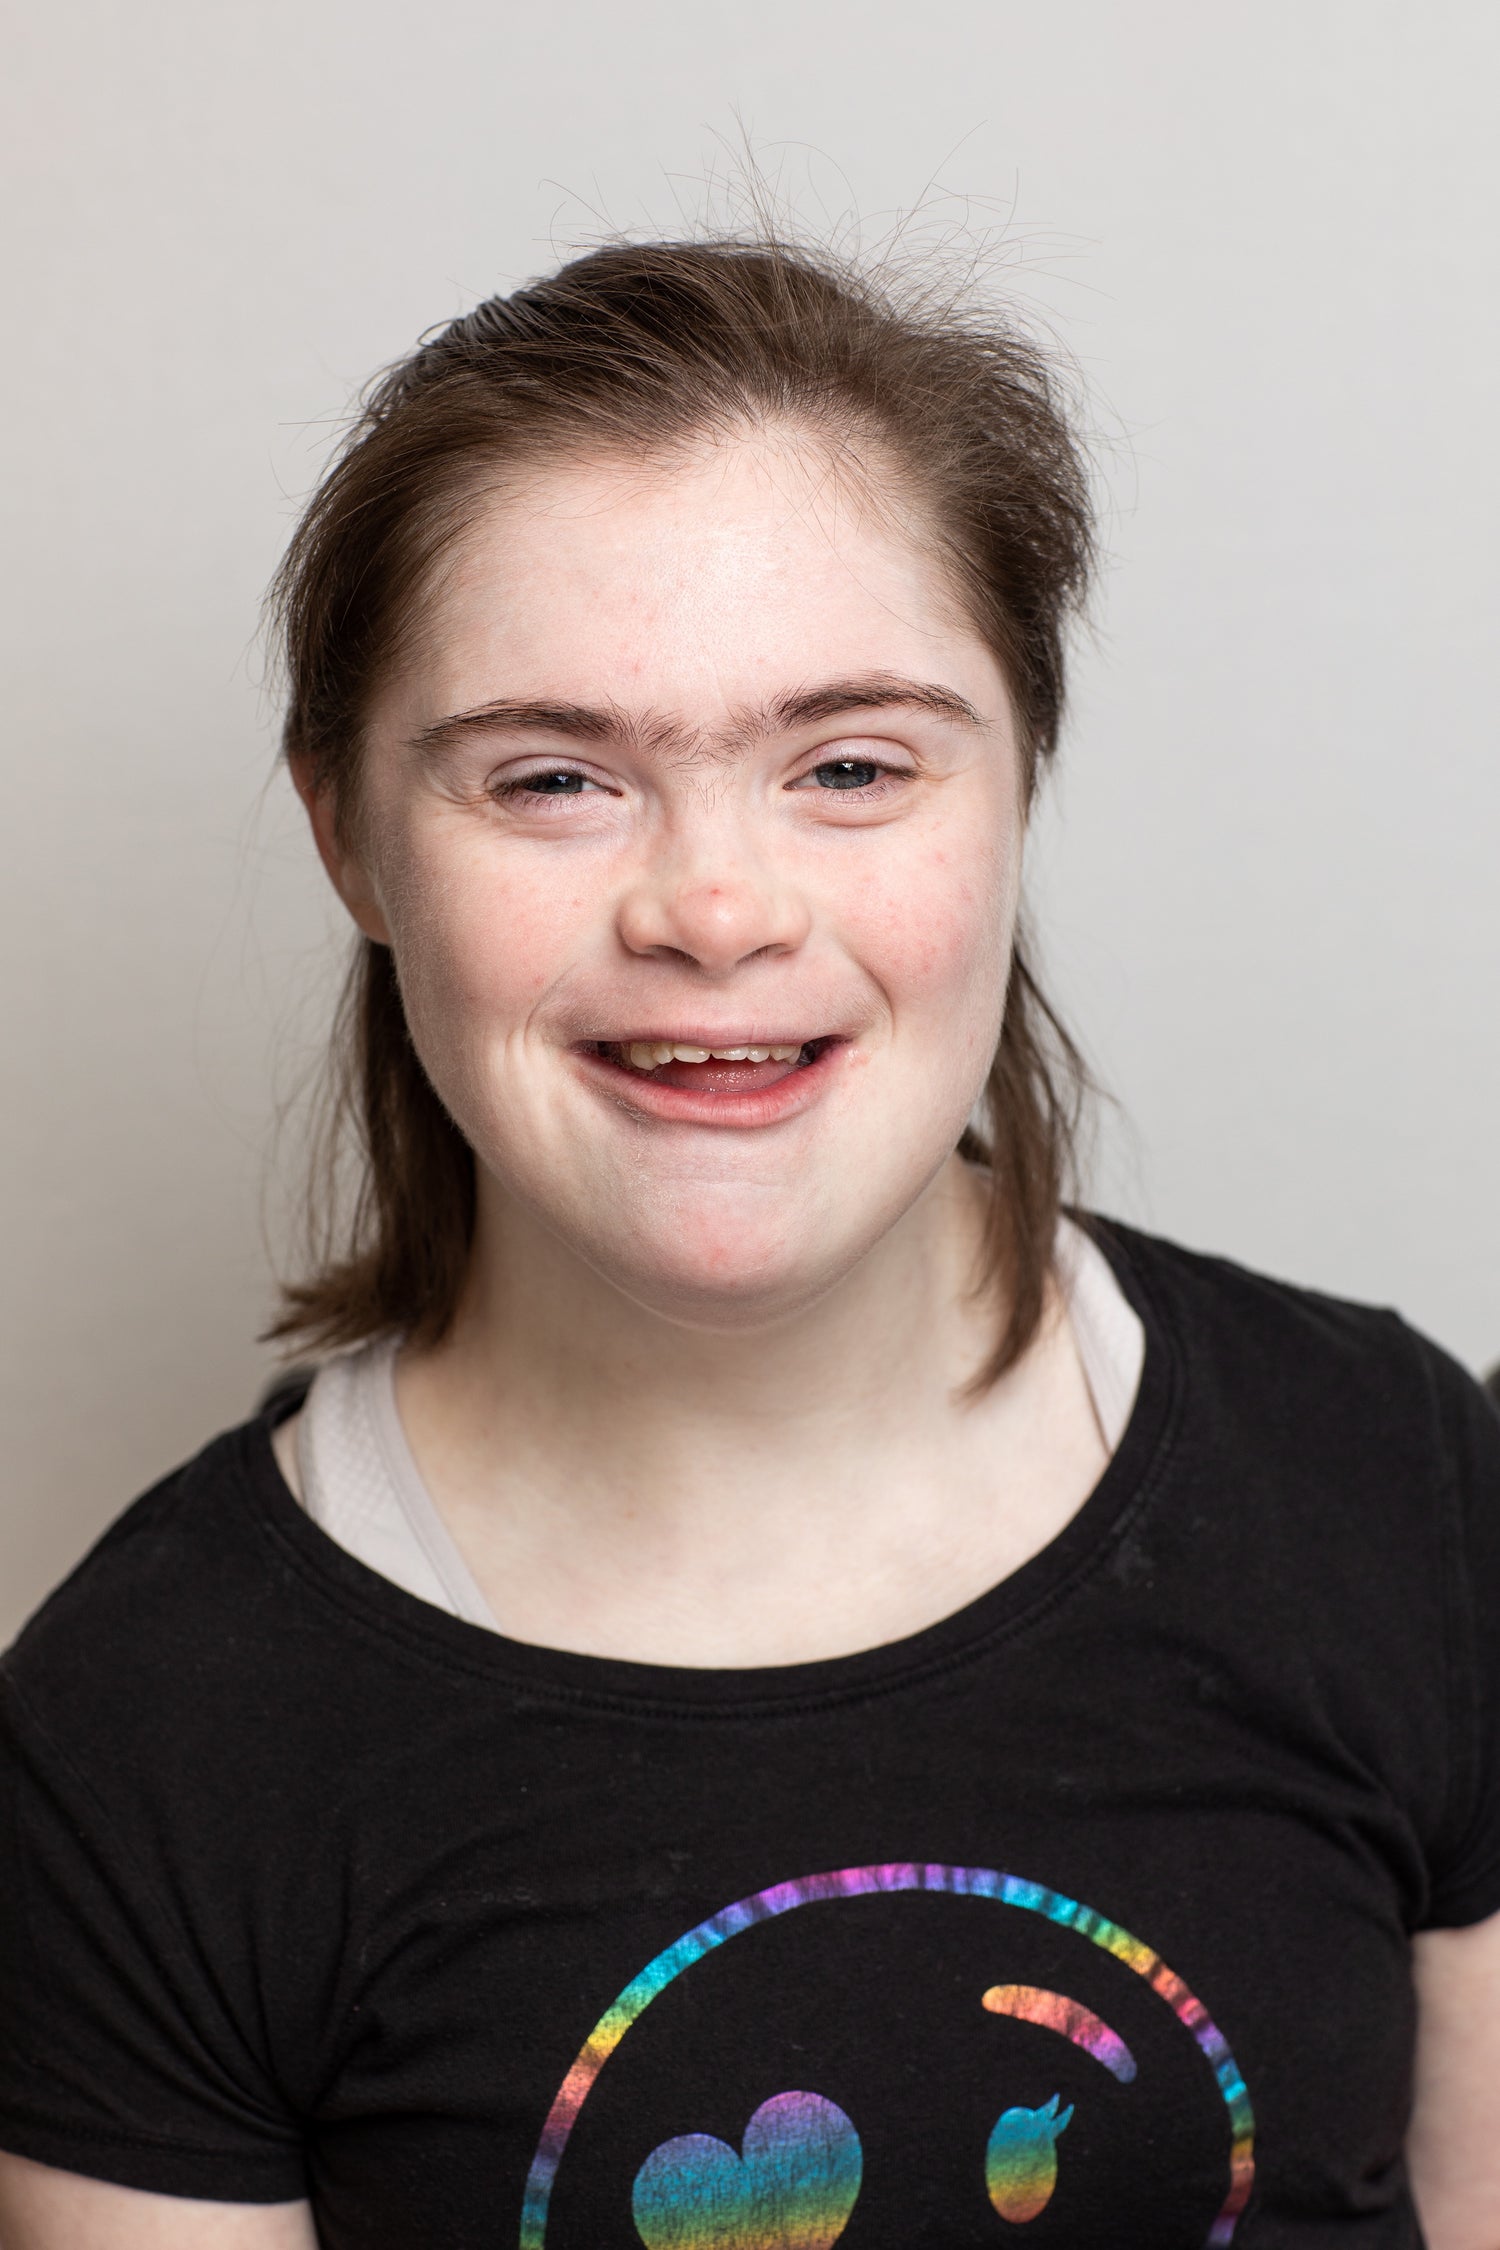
{"x":778,"y":1690}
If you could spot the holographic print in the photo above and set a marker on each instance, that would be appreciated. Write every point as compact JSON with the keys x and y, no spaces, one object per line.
{"x":1020,"y":2164}
{"x":857,"y":1882}
{"x":1055,"y":2012}
{"x":792,"y":2189}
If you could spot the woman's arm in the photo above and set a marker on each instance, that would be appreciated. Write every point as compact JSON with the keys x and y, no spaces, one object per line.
{"x":43,"y":2209}
{"x":1454,"y":2146}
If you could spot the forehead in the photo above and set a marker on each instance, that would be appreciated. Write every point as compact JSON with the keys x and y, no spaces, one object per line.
{"x":710,"y":579}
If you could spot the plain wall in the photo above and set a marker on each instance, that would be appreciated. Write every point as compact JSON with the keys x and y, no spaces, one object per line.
{"x":1267,"y":878}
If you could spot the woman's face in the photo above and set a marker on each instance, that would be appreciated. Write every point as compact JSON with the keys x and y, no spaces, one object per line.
{"x":699,"y":755}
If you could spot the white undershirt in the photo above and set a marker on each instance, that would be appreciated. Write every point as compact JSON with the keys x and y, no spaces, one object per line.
{"x":361,"y":1485}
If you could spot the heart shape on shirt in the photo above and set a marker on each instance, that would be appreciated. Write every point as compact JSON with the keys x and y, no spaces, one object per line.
{"x":793,"y":2187}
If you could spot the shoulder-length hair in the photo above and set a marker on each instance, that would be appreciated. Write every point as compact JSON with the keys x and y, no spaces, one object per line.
{"x":640,"y":348}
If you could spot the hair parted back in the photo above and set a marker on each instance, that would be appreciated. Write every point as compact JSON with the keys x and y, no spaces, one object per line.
{"x":639,"y":348}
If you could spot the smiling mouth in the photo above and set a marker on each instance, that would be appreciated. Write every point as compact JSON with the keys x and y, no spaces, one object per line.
{"x":653,"y":1054}
{"x":734,"y":1067}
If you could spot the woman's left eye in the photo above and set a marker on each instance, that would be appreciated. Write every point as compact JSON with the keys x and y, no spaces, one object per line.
{"x":561,"y":782}
{"x":554,"y":784}
{"x":849,"y":774}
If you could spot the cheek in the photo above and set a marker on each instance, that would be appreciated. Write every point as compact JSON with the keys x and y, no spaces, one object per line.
{"x":477,"y":946}
{"x":936,"y":931}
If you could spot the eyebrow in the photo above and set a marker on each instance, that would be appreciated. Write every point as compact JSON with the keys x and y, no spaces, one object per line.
{"x":507,"y":717}
{"x":799,"y":707}
{"x":873,"y":691}
{"x":1054,"y":2011}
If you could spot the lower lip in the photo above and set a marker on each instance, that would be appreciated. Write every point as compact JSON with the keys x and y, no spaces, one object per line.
{"x":680,"y":1105}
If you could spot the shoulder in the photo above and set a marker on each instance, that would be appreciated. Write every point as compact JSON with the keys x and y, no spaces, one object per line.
{"x":1218,"y":1292}
{"x":181,"y":1549}
{"x":190,"y":1644}
{"x":171,"y":1740}
{"x":1298,"y":1364}
{"x":1337,"y":1451}
{"x":1334,"y":1477}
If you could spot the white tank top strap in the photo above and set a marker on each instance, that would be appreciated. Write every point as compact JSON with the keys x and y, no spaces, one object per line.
{"x":1106,"y":1329}
{"x":361,"y":1485}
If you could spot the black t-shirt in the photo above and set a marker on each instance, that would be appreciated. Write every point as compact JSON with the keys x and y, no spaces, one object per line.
{"x":1081,"y":1918}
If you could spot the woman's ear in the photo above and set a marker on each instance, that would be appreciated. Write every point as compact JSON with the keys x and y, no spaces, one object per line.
{"x":346,"y":870}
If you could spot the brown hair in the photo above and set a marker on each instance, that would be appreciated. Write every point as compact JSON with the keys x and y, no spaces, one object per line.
{"x":643,"y":347}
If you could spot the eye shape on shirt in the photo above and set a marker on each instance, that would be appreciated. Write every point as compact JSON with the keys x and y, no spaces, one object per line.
{"x":1020,"y":2163}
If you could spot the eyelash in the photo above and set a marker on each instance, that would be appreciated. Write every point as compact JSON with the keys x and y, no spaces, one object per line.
{"x":870,"y":790}
{"x":519,"y":785}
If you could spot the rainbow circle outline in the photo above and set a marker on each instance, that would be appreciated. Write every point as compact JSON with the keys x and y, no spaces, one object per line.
{"x":857,"y":1882}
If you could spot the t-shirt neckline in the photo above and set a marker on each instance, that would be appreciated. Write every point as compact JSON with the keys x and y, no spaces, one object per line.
{"x":997,"y":1614}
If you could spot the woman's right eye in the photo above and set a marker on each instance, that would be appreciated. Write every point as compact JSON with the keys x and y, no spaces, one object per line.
{"x":554,"y":784}
{"x":559,"y":781}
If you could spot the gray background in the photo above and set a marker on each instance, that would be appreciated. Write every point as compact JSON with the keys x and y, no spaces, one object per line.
{"x":1267,"y":876}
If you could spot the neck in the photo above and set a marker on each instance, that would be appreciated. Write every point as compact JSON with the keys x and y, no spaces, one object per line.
{"x":541,"y":1337}
{"x":626,"y":1483}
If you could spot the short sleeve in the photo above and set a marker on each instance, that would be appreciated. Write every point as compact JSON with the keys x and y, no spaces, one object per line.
{"x":1465,"y":1874}
{"x":120,"y":2056}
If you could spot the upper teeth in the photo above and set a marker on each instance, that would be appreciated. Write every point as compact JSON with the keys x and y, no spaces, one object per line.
{"x":643,"y":1054}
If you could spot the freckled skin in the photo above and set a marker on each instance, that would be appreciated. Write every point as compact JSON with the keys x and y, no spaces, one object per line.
{"x":701,"y":888}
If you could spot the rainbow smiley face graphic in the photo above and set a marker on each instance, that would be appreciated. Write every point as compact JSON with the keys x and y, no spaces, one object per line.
{"x":882,"y":2059}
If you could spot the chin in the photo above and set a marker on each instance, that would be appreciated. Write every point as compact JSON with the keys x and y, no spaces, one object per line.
{"x":720,"y":1288}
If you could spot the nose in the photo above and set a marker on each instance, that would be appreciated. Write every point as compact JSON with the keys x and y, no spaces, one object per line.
{"x":714,"y":909}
